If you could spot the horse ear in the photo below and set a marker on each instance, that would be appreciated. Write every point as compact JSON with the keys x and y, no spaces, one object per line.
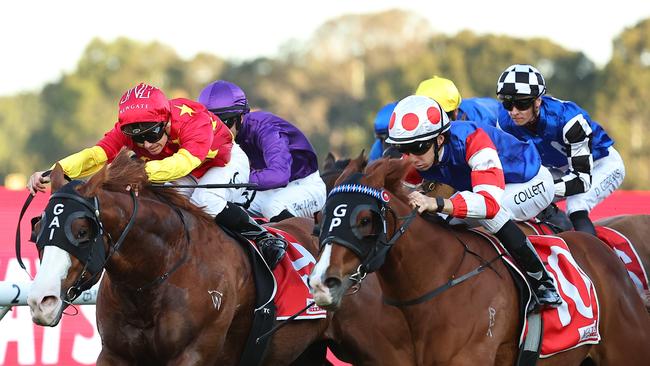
{"x":396,"y":171}
{"x":57,"y":177}
{"x":330,"y":160}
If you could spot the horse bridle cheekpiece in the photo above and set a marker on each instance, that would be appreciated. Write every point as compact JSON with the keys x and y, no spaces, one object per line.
{"x":64,"y":207}
{"x":342,"y":208}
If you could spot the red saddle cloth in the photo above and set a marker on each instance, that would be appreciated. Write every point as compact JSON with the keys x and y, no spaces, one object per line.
{"x":625,"y":251}
{"x":291,"y":277}
{"x":575,"y":322}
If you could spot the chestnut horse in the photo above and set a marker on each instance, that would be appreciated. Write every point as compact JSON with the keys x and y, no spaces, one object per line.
{"x":176,"y":288}
{"x":454,"y":328}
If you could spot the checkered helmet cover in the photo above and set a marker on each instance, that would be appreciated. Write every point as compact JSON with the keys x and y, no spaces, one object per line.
{"x":416,"y":118}
{"x":521,"y":80}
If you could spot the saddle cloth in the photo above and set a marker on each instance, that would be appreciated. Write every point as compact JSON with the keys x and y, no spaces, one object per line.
{"x":626,"y":252}
{"x":575,"y":322}
{"x":291,"y":277}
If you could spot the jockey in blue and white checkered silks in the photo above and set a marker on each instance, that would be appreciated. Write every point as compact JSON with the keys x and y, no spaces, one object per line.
{"x":566,"y":138}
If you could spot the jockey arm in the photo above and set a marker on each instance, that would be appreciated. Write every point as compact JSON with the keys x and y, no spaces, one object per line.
{"x":274,"y":146}
{"x":84,"y":163}
{"x":171,"y":168}
{"x":577,"y":135}
{"x":488,"y":181}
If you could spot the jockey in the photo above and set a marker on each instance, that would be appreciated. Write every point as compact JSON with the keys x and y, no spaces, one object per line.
{"x":182,"y":143}
{"x":498,"y":178}
{"x":381,"y":131}
{"x":284,"y":165}
{"x":566,"y":138}
{"x":444,"y":91}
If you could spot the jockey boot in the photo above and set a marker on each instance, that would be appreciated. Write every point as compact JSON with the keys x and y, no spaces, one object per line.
{"x":557,"y":219}
{"x":285,"y":214}
{"x":235,"y":218}
{"x":582,"y":222}
{"x":522,"y":251}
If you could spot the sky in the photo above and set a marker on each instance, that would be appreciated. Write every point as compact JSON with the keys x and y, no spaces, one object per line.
{"x":42,"y":39}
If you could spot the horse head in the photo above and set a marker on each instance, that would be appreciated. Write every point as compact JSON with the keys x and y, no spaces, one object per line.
{"x":75,"y":234}
{"x":362,"y":219}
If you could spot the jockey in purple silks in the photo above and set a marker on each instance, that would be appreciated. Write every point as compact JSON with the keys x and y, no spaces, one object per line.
{"x":283,"y":163}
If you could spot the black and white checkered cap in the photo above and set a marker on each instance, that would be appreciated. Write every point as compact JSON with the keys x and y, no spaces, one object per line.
{"x":521,"y":80}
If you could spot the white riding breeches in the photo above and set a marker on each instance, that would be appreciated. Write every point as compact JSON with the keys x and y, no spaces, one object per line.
{"x":213,"y":200}
{"x":301,"y":197}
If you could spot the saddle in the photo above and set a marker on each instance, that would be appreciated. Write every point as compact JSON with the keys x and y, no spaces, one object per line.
{"x":264,"y":312}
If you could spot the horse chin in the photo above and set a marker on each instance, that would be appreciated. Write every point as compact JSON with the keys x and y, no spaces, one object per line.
{"x":327,"y":301}
{"x":330,"y":298}
{"x":49,"y":318}
{"x":48,"y":313}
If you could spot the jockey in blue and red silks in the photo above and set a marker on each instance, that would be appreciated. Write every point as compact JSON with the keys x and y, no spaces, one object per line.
{"x":498,"y":179}
{"x":283,"y":162}
{"x":181,"y":142}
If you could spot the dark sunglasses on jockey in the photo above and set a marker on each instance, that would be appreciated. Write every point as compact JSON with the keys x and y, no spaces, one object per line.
{"x":521,"y":104}
{"x":145,"y":131}
{"x":415,"y":148}
{"x":229,"y":118}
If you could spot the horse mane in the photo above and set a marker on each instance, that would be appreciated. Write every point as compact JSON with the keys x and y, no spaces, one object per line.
{"x":127,"y":170}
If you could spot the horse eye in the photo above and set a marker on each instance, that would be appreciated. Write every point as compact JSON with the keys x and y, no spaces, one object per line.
{"x":82,"y":233}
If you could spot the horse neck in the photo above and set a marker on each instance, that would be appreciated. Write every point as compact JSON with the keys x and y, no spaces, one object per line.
{"x":148,"y":247}
{"x":425,"y":257}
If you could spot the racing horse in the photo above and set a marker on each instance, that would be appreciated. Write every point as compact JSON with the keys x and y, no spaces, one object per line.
{"x":636,"y":228}
{"x":176,"y":288}
{"x":412,"y":256}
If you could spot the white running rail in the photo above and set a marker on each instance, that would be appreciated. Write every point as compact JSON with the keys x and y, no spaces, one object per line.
{"x":15,"y":294}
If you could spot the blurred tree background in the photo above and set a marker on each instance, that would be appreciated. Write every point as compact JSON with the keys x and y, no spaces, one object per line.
{"x":332,"y":85}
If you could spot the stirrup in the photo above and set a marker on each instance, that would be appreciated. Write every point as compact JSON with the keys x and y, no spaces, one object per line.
{"x":537,"y":305}
{"x":273,"y":249}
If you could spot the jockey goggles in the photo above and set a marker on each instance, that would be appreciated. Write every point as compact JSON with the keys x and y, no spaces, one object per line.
{"x":521,"y":104}
{"x":145,"y":131}
{"x":415,"y":148}
{"x":229,"y":118}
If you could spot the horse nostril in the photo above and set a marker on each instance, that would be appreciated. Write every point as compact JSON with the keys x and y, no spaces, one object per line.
{"x":48,"y":303}
{"x":332,"y":282}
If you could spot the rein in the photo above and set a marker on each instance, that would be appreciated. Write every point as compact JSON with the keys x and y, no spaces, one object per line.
{"x":453,"y":280}
{"x":180,"y":262}
{"x":362,"y":270}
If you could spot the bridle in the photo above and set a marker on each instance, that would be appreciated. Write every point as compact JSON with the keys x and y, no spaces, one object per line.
{"x":91,"y":252}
